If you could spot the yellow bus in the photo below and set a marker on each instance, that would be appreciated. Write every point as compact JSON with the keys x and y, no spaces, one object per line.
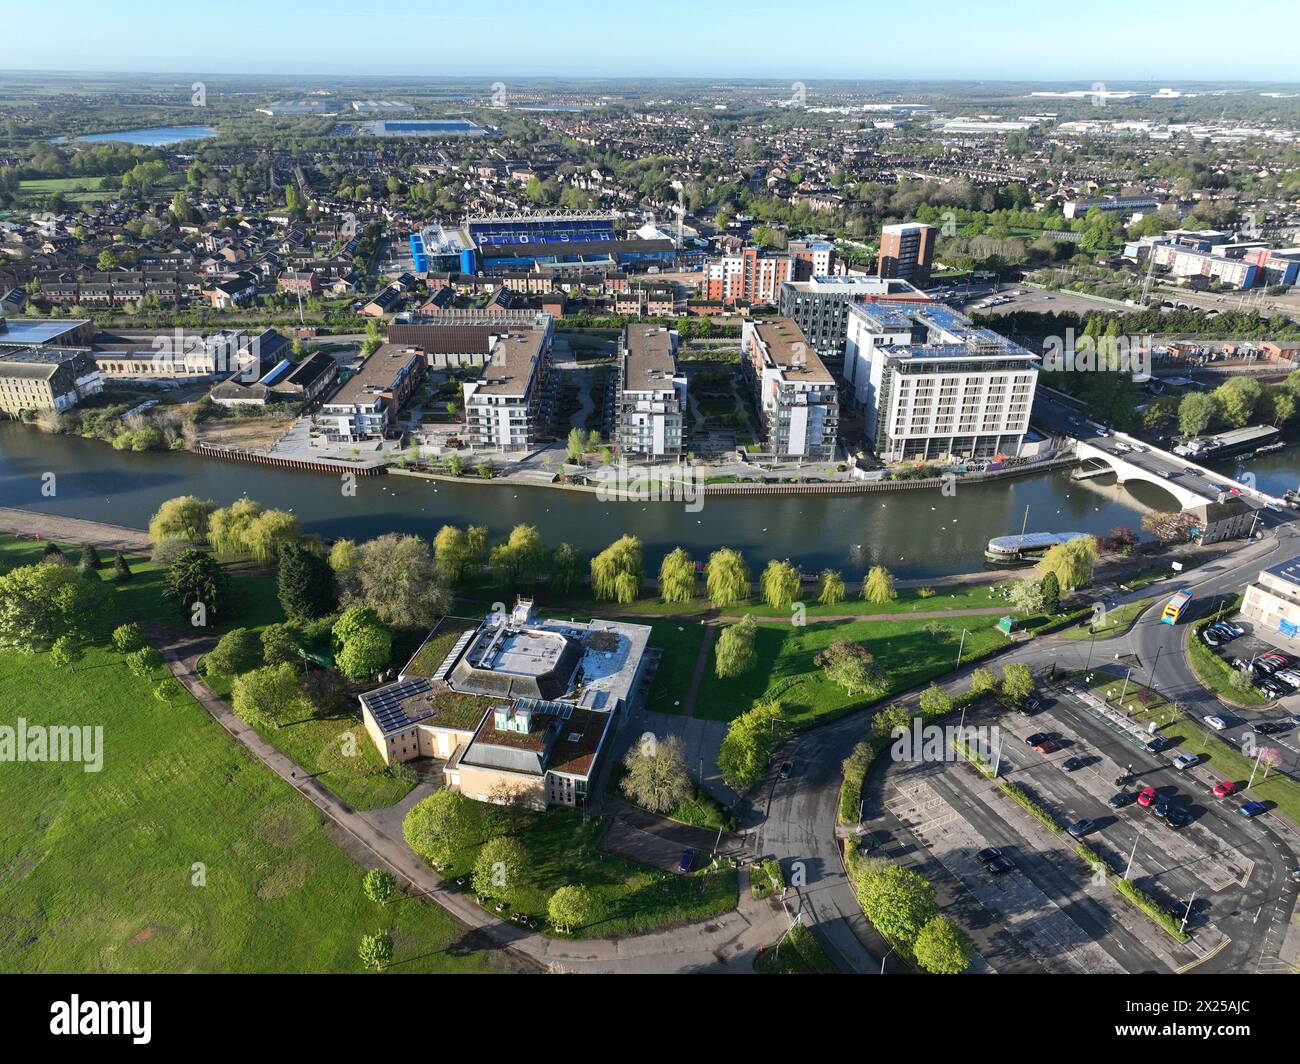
{"x":1176,"y":606}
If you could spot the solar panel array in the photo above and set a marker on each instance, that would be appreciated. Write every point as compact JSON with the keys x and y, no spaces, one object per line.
{"x":563,"y":710}
{"x":385,"y":704}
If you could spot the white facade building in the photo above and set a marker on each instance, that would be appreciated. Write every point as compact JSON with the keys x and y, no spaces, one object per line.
{"x":931,"y":385}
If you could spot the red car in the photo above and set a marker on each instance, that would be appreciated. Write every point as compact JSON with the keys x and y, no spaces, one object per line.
{"x":1146,"y":796}
{"x":1047,"y":746}
{"x":1224,"y":788}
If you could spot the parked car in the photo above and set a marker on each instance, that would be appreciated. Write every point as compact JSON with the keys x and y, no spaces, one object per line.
{"x":1251,"y":809}
{"x":1047,"y":746}
{"x":1235,"y":629}
{"x":786,"y":769}
{"x":1072,"y":763}
{"x":1032,"y":705}
{"x":1146,"y":796}
{"x":1186,"y":761}
{"x":1000,"y":864}
{"x":1270,"y":687}
{"x":1157,"y":744}
{"x":1123,"y":799}
{"x":1291,"y":676}
{"x":688,"y":859}
{"x":1176,"y":817}
{"x":1217,"y":723}
{"x":1224,"y":788}
{"x":1211,"y":638}
{"x":1161,"y":808}
{"x":992,"y":853}
{"x":1222,"y":632}
{"x":1080,"y":828}
{"x":1037,"y":737}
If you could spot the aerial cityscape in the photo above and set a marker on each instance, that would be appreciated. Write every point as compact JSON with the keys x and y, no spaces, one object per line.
{"x":540,"y":499}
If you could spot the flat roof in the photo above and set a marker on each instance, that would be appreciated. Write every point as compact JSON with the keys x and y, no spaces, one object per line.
{"x":509,"y":370}
{"x":1288,"y":570}
{"x":789,"y":350}
{"x":376,"y":374}
{"x":649,"y":364}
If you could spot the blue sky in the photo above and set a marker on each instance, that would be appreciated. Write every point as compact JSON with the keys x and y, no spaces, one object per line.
{"x":1163,"y":40}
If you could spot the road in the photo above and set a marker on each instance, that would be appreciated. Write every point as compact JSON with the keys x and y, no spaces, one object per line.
{"x":796,"y":820}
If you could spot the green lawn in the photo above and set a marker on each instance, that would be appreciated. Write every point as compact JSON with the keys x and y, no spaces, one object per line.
{"x":906,"y":652}
{"x":680,"y":643}
{"x":1116,"y":622}
{"x":337,"y":751}
{"x":561,"y":850}
{"x":96,"y":869}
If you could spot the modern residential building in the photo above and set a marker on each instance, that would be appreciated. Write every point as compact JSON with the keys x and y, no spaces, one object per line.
{"x":906,"y":251}
{"x":796,"y":395}
{"x":507,"y":408}
{"x":1214,"y":255}
{"x":518,"y":708}
{"x":1272,"y":603}
{"x":820,"y":305}
{"x":649,"y":396}
{"x":45,"y":378}
{"x":367,"y":405}
{"x":750,"y":276}
{"x":812,"y":257}
{"x":932,"y":385}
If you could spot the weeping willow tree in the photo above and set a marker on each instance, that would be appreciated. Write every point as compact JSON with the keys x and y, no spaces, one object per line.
{"x":617,"y":571}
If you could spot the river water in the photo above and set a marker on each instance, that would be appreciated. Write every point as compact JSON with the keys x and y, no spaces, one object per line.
{"x":915,"y":533}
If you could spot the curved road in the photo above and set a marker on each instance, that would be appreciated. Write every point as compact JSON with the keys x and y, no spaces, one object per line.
{"x":798,"y":815}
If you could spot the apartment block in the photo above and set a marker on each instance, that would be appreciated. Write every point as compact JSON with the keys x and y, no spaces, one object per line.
{"x":366,"y":407}
{"x":750,"y":276}
{"x":906,"y":251}
{"x":507,"y":408}
{"x":650,"y":395}
{"x":931,"y":385}
{"x":820,"y":305}
{"x":797,"y":398}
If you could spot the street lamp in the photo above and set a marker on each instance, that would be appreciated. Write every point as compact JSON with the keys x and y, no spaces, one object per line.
{"x":885,"y":958}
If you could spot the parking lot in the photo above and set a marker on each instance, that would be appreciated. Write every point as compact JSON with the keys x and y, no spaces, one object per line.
{"x":1206,"y":862}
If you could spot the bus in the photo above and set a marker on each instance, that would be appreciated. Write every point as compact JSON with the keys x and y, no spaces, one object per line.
{"x":1176,"y":607}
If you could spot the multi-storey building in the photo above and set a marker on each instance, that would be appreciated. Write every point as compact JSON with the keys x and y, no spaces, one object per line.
{"x":796,"y":395}
{"x":366,"y":407}
{"x":906,"y":251}
{"x":750,"y":276}
{"x":45,"y":378}
{"x":820,"y":306}
{"x":812,"y":258}
{"x":650,"y":395}
{"x":507,"y":408}
{"x":932,"y":385}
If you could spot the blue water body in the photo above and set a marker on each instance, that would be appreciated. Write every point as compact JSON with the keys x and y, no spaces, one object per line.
{"x":152,"y":138}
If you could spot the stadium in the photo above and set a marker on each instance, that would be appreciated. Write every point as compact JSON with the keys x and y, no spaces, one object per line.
{"x":527,"y":241}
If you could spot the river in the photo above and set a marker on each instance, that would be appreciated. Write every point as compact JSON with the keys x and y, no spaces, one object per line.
{"x":915,"y":533}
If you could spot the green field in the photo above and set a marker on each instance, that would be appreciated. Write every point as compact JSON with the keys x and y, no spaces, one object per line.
{"x":906,"y":652}
{"x":96,"y":869}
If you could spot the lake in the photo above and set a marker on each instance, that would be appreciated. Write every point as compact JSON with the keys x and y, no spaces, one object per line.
{"x":152,"y":138}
